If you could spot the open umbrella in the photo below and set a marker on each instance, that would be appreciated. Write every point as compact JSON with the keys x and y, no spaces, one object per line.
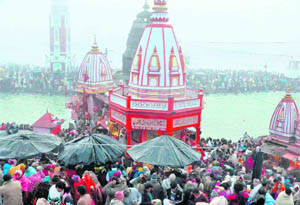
{"x":95,"y":149}
{"x":164,"y":151}
{"x":26,"y":144}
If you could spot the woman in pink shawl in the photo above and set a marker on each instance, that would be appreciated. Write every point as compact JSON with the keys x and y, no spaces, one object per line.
{"x":249,"y":164}
{"x":28,"y":183}
{"x":49,"y":170}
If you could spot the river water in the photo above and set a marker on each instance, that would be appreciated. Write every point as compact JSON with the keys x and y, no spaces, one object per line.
{"x":224,"y":115}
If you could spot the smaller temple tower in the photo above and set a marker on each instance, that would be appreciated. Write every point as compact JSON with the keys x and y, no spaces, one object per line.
{"x":135,"y":34}
{"x":284,"y":121}
{"x":60,"y":51}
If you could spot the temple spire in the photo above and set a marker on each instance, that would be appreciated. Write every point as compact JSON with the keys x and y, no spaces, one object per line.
{"x":160,"y":12}
{"x":95,"y":46}
{"x":146,"y":6}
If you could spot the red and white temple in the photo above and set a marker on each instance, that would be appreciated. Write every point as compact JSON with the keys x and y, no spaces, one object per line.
{"x":94,"y":80}
{"x":157,"y":100}
{"x":284,"y":138}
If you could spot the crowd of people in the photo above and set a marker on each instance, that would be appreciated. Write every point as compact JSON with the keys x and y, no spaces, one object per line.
{"x":31,"y":79}
{"x":241,"y":81}
{"x":18,"y":78}
{"x":234,"y":173}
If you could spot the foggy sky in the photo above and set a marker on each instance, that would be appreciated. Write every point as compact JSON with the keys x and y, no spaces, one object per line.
{"x":24,"y":24}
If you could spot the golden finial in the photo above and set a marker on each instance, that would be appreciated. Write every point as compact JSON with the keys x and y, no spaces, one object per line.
{"x":288,"y":93}
{"x":95,"y":46}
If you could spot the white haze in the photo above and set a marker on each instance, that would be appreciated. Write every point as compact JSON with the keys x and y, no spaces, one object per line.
{"x":24,"y":30}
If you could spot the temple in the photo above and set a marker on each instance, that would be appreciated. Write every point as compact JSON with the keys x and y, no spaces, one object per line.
{"x":284,"y":138}
{"x":157,"y":100}
{"x":94,"y":80}
{"x":60,"y":51}
{"x":142,"y":20}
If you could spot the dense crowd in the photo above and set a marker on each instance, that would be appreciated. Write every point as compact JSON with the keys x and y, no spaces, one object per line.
{"x":229,"y":81}
{"x":234,"y":173}
{"x":17,"y":78}
{"x":31,"y":79}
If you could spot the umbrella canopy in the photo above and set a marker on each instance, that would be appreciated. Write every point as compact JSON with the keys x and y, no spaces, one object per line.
{"x":26,"y":144}
{"x":97,"y":149}
{"x":164,"y":151}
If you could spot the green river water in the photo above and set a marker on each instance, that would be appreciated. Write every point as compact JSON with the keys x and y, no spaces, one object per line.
{"x":224,"y":115}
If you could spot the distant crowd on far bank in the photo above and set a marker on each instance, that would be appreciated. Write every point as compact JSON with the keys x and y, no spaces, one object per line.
{"x":32,"y":79}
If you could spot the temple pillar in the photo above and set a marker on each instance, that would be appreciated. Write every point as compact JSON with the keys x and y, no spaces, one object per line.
{"x":144,"y":136}
{"x":140,"y":136}
{"x":197,"y":135}
{"x":128,"y":133}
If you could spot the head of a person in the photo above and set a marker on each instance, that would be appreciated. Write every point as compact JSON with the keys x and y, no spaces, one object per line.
{"x":119,"y":195}
{"x":116,"y":179}
{"x":214,"y":194}
{"x":172,"y":177}
{"x":60,"y":186}
{"x":225,"y":185}
{"x":126,"y":192}
{"x":238,"y":187}
{"x":18,"y":174}
{"x":55,"y":179}
{"x":148,"y":187}
{"x":196,"y":192}
{"x":256,"y":182}
{"x":81,"y":190}
{"x":7,"y":177}
{"x":288,"y":191}
{"x":173,"y":186}
{"x":156,"y":202}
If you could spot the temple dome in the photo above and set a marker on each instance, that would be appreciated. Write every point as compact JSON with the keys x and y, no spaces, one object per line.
{"x":157,"y":70}
{"x":285,"y":118}
{"x":138,"y":26}
{"x":95,"y":73}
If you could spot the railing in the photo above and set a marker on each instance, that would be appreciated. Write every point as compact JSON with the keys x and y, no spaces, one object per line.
{"x":118,"y":99}
{"x":194,"y":99}
{"x":149,"y":105}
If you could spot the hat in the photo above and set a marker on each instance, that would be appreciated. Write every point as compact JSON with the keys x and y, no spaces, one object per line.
{"x":119,"y":195}
{"x":22,"y":166}
{"x":7,"y":177}
{"x":76,"y":178}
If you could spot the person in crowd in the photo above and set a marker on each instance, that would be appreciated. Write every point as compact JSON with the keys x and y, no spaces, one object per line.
{"x":112,"y":187}
{"x":11,"y":191}
{"x":85,"y":198}
{"x":174,"y":194}
{"x":285,"y":197}
{"x":147,"y":196}
{"x":56,"y":193}
{"x":132,"y":196}
{"x":197,"y":196}
{"x":254,"y":192}
{"x":238,"y":198}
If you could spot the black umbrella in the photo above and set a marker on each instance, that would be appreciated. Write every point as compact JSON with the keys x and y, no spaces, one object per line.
{"x":95,"y":149}
{"x":26,"y":144}
{"x":164,"y":151}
